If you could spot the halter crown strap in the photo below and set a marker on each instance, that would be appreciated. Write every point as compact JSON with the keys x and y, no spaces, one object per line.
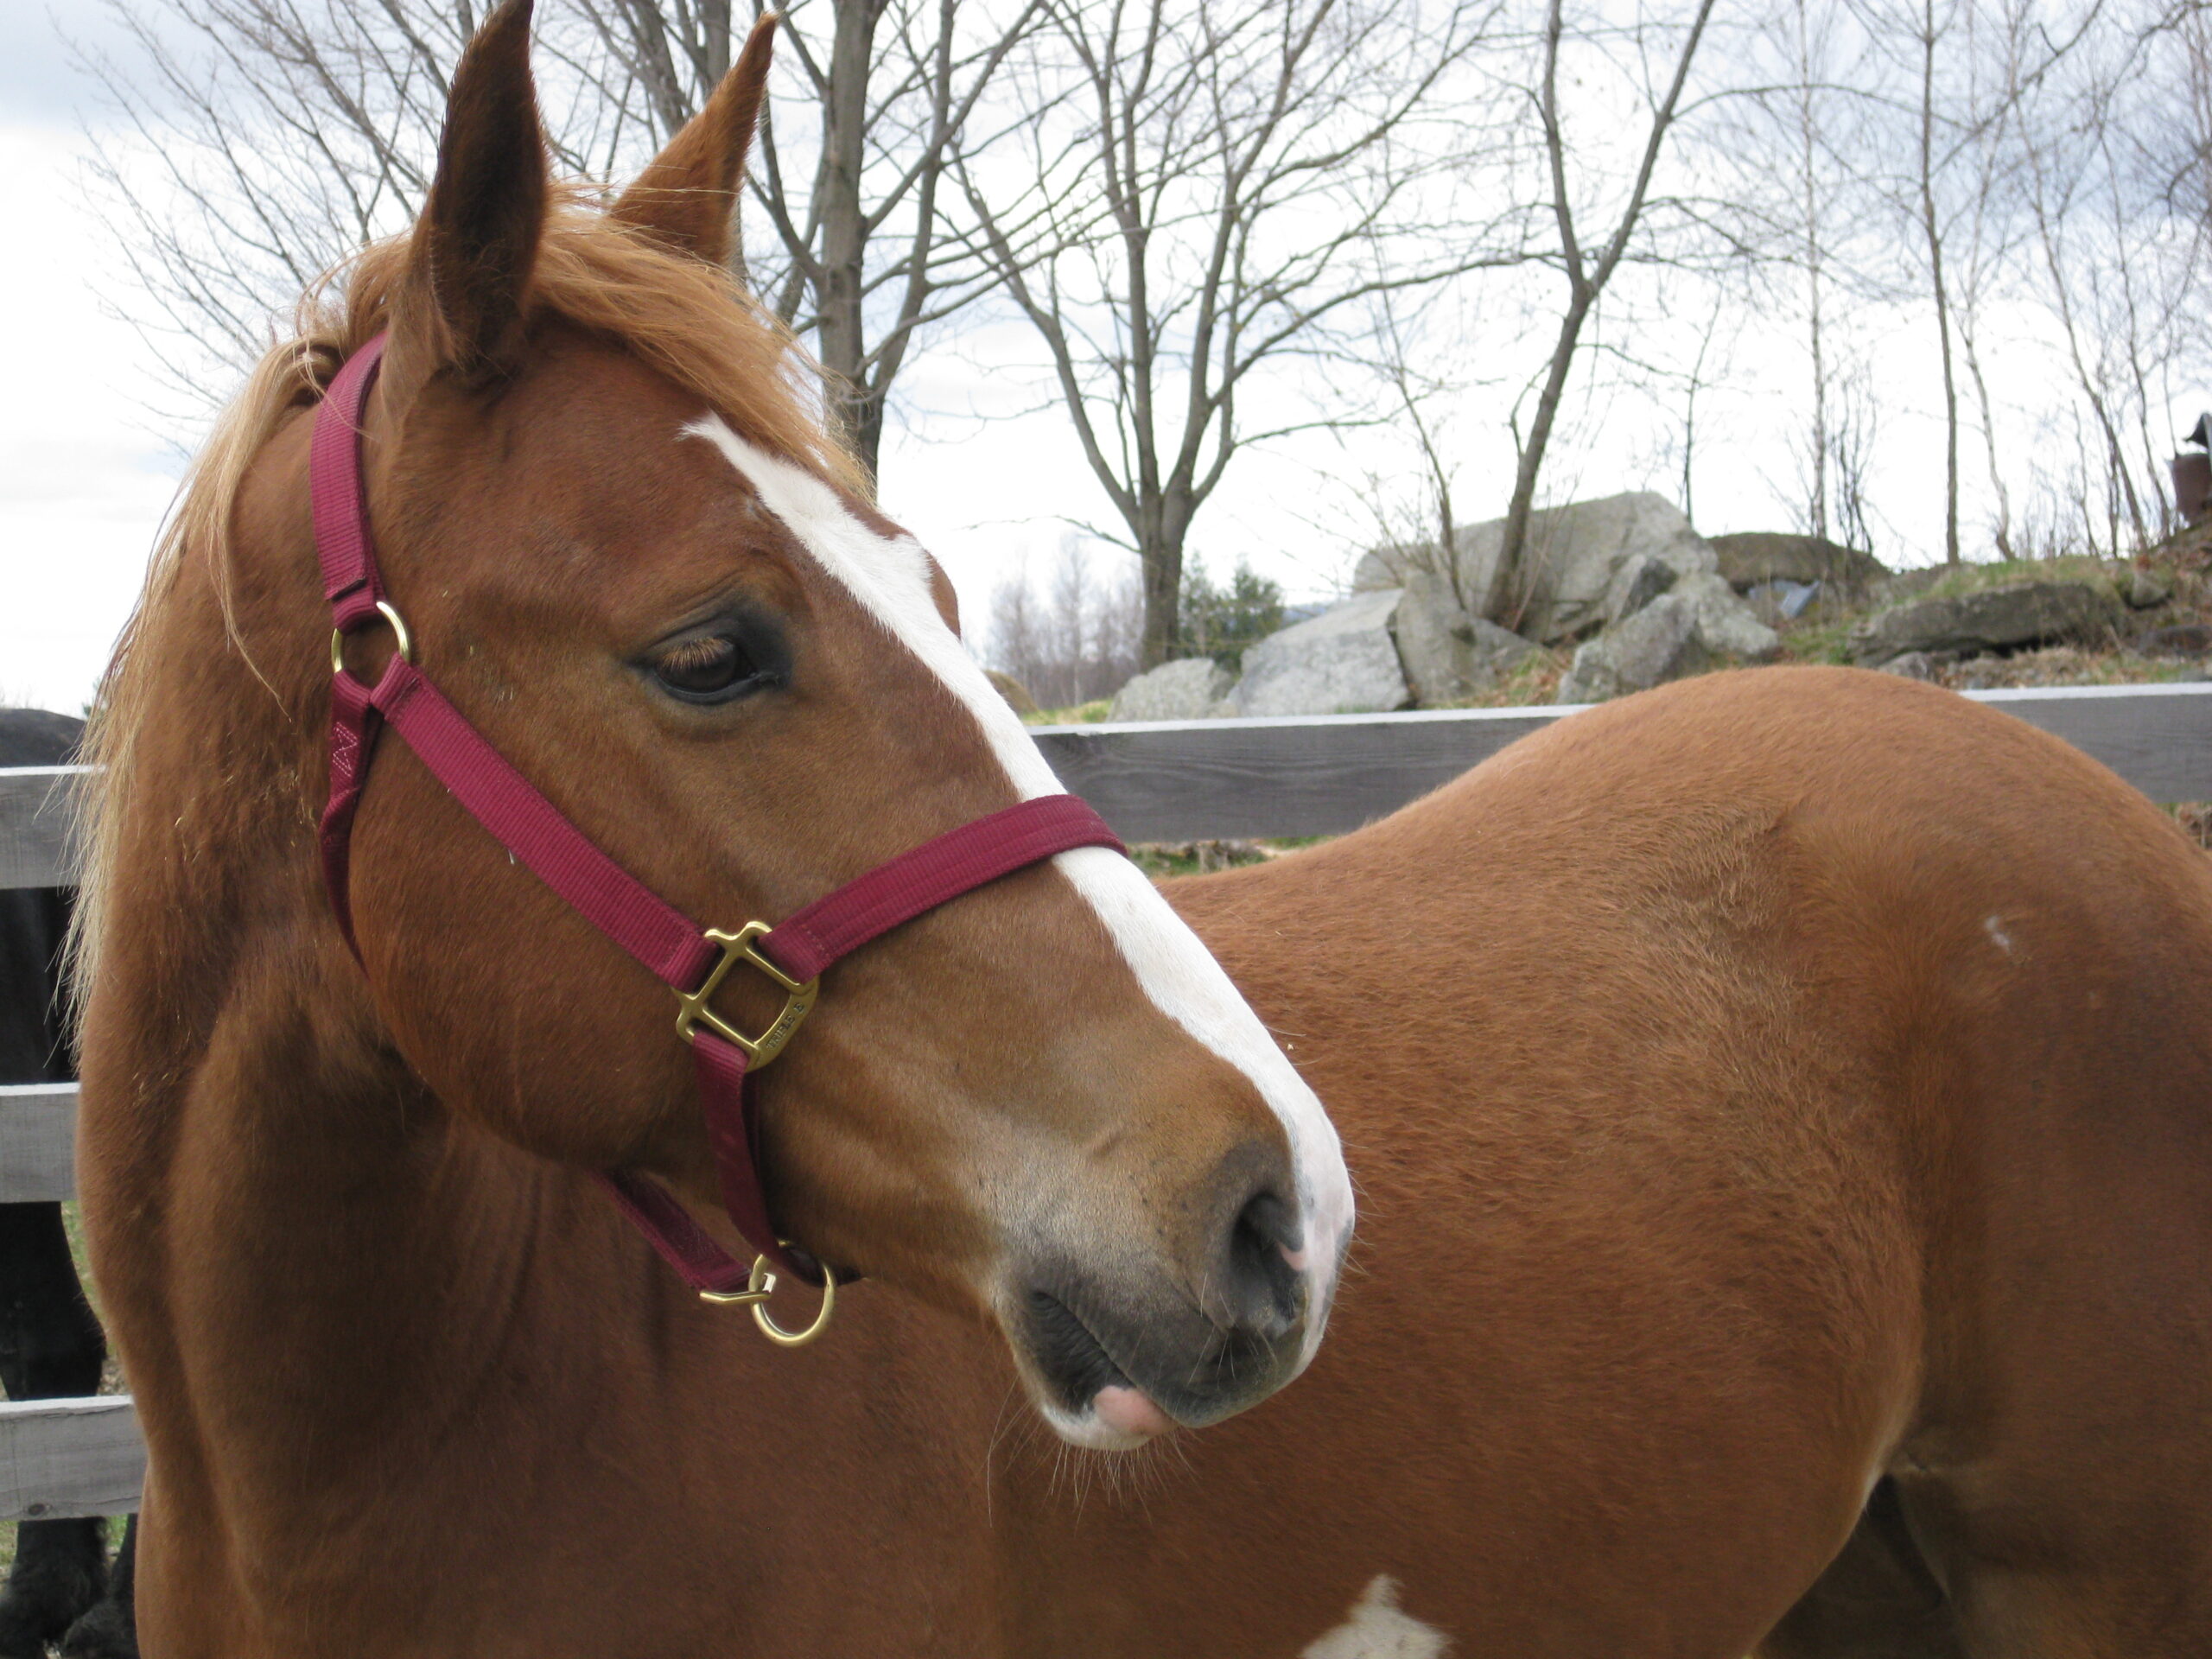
{"x":341,"y":507}
{"x":677,"y":950}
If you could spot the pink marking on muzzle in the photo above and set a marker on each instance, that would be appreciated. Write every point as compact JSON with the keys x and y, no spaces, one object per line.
{"x":1127,"y":1411}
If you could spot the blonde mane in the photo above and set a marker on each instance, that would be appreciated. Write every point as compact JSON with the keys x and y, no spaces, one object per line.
{"x":690,"y":321}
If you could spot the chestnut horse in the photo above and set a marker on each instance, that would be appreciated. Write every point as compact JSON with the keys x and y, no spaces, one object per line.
{"x":1779,"y":1099}
{"x":342,"y":1208}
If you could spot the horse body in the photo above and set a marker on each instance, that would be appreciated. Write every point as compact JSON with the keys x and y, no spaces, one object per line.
{"x":1762,"y":1089}
{"x":1759,"y":1088}
{"x":1766,"y":1091}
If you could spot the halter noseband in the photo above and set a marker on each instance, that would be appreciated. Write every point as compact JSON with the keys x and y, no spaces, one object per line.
{"x":693,"y":961}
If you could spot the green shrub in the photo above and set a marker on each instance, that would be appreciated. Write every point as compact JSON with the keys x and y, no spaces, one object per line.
{"x":1221,"y":622}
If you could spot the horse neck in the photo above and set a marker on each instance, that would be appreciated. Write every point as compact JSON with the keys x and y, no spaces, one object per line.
{"x":271,"y":1194}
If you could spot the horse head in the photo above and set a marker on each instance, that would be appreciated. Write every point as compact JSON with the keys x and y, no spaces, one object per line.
{"x":624,"y":547}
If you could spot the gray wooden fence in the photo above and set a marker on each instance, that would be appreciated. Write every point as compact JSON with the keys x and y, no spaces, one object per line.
{"x":1176,"y":781}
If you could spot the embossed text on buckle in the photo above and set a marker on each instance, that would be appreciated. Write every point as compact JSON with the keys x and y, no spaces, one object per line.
{"x":799,"y":998}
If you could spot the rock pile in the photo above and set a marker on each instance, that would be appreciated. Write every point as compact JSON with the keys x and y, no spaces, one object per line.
{"x":1629,"y":570}
{"x":1639,"y":597}
{"x":1450,"y":655}
{"x":1993,"y":619}
{"x":1698,"y":624}
{"x":1588,"y":565}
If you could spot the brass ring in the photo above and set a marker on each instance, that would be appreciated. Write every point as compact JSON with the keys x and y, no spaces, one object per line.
{"x":404,"y":641}
{"x":762,"y":1281}
{"x":400,"y":637}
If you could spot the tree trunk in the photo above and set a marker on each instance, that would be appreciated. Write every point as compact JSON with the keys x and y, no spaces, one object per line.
{"x":1935,"y":273}
{"x":840,"y":336}
{"x":1812,"y":209}
{"x":1508,"y":592}
{"x":1585,"y":280}
{"x":1821,"y":441}
{"x":864,"y":422}
{"x":1988,"y":437}
{"x":1159,"y":550}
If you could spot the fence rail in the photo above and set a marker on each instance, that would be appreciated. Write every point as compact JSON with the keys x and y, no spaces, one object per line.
{"x":38,"y":1143}
{"x":60,"y":1458}
{"x":1176,"y":781}
{"x":1185,"y":780}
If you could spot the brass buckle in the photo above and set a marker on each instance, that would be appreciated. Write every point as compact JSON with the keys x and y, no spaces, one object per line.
{"x":400,"y":636}
{"x":761,"y":1285}
{"x":798,"y":1000}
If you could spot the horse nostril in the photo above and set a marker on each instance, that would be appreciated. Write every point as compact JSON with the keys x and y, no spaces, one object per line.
{"x":1265,"y":1289}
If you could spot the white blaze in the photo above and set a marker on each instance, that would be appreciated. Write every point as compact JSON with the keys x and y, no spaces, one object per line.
{"x":890,"y":579}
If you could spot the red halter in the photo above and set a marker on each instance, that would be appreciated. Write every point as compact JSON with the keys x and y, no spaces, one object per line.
{"x":692,"y":960}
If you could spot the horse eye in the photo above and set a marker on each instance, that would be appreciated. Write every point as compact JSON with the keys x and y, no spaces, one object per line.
{"x":712,"y":670}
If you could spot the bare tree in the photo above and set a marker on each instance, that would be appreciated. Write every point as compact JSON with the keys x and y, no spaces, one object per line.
{"x":1808,"y":126}
{"x":1989,"y":239}
{"x":1586,"y":269}
{"x":2093,"y":277}
{"x":1223,"y":220}
{"x":1818,"y":120}
{"x":1416,"y":391}
{"x":294,"y":130}
{"x":894,"y":85}
{"x":1969,"y":64}
{"x":264,"y":140}
{"x":1853,"y":423}
{"x":1418,"y":361}
{"x":1207,"y":182}
{"x":1697,"y":380}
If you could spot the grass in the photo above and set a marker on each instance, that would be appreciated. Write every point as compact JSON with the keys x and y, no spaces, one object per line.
{"x":1162,"y":859}
{"x":1078,"y":714}
{"x":1534,"y":680}
{"x":1965,"y":579}
{"x":1827,"y":641}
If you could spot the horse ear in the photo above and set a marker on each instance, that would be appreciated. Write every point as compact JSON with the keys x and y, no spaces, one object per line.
{"x":470,"y":261}
{"x":946,"y":596}
{"x":688,"y":196}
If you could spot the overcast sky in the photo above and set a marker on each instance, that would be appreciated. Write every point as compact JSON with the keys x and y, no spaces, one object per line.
{"x":83,"y":480}
{"x":87,"y":470}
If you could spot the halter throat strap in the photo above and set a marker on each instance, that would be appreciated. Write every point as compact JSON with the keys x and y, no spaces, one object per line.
{"x":690,"y":959}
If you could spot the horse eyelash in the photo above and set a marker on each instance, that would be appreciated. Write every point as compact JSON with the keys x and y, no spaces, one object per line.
{"x":697,"y":653}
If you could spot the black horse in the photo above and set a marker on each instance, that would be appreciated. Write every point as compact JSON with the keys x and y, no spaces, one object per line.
{"x":61,"y":1587}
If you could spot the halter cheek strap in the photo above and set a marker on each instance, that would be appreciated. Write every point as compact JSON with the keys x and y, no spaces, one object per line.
{"x":692,"y":961}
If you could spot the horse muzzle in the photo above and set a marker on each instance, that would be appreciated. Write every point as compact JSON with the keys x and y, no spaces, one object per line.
{"x":1118,"y":1350}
